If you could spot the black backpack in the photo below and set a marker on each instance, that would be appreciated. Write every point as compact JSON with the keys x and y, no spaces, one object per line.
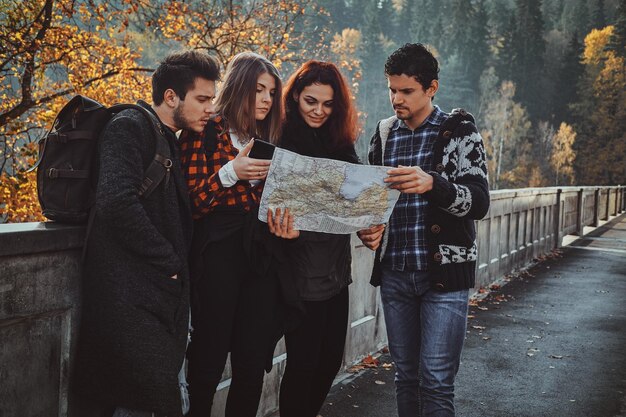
{"x":67,"y":170}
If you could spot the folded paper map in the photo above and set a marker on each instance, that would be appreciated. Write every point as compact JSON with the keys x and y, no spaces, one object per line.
{"x":325,"y":195}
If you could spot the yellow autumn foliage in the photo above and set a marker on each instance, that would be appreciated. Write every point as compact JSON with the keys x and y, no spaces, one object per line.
{"x":54,"y":49}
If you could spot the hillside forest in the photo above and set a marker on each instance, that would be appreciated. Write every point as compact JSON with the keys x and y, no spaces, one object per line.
{"x":545,"y":79}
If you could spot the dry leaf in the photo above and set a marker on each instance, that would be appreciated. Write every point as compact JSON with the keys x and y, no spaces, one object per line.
{"x":532,"y":351}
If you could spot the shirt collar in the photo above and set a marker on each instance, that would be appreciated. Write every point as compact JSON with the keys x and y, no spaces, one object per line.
{"x":435,"y":118}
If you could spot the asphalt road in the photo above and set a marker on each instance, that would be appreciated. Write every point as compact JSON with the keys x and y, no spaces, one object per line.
{"x":549,"y":343}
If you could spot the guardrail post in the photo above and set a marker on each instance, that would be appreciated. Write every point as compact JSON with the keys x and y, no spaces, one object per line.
{"x":596,"y":208}
{"x":608,"y":204}
{"x":557,"y":219}
{"x":579,"y":213}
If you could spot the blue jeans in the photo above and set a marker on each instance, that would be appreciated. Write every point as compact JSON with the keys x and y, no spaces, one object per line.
{"x":426,"y":329}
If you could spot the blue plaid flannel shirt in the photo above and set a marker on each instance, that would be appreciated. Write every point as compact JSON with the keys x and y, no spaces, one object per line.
{"x":407,"y":248}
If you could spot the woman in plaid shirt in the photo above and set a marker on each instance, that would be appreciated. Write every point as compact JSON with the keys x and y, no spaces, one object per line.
{"x":233,"y":302}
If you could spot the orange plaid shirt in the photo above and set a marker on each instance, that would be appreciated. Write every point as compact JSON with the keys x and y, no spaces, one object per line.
{"x":201,"y":170}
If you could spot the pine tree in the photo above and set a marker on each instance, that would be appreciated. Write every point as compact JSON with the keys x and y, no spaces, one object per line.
{"x":373,"y":60}
{"x":457,"y":28}
{"x":455,"y":88}
{"x":529,"y":47}
{"x":618,"y":40}
{"x":566,"y":91}
{"x":403,"y":20}
{"x":466,"y":53}
{"x":598,"y":21}
{"x":505,"y":47}
{"x":552,"y":11}
{"x":427,"y":23}
{"x":576,"y":16}
{"x":478,"y":47}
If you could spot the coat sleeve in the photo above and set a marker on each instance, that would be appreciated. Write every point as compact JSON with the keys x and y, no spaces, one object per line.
{"x":118,"y":203}
{"x":462,"y":188}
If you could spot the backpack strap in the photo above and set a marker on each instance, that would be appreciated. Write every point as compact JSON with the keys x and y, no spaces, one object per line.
{"x":161,"y":163}
{"x":385,"y":129}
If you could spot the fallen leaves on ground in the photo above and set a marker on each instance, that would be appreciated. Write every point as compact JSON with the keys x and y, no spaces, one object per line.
{"x":370,"y":361}
{"x":367,"y":362}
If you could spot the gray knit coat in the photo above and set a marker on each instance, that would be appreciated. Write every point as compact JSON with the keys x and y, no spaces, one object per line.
{"x":134,"y":321}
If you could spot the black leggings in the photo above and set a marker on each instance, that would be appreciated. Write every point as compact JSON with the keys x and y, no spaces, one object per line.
{"x":235,"y":313}
{"x":314,"y":356}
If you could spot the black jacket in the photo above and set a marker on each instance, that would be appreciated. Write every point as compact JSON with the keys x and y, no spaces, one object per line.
{"x":321,"y":262}
{"x":134,"y":324}
{"x":459,"y":196}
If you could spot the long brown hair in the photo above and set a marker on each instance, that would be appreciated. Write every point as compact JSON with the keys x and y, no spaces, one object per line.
{"x":237,"y":98}
{"x":343,"y":122}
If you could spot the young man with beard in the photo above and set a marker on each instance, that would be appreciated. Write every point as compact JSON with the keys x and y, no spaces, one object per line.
{"x":135,"y":313}
{"x":426,"y":254}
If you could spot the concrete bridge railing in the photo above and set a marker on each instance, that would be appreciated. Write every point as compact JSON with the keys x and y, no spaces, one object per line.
{"x":40,"y":290}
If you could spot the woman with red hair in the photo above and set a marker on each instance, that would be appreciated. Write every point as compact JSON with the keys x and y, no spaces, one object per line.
{"x":321,"y":121}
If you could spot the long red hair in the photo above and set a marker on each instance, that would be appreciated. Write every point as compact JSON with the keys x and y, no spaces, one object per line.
{"x":343,"y":122}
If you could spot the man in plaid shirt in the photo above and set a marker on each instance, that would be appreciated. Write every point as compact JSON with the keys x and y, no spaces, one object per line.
{"x":425,"y":260}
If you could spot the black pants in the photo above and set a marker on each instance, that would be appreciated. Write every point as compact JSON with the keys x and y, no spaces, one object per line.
{"x":314,"y":356}
{"x":234,"y":310}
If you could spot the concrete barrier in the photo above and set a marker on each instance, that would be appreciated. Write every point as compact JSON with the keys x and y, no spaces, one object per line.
{"x":40,"y":290}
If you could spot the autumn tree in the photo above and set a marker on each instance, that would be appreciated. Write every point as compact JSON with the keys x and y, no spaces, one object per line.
{"x":601,"y":112}
{"x":563,"y":155}
{"x":227,"y":28}
{"x":506,"y":131}
{"x":50,"y":49}
{"x":542,"y":152}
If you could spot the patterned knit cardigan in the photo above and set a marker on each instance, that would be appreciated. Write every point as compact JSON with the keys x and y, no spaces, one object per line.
{"x":460,"y":195}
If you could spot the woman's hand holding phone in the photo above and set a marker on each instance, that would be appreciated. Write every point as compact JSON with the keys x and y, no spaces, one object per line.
{"x":248,"y":168}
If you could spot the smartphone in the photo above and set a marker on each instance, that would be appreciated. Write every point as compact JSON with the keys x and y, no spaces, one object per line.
{"x":261,"y":150}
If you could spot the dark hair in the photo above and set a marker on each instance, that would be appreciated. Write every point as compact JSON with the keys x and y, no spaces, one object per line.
{"x":413,"y":60}
{"x":179,"y":71}
{"x":343,"y":121}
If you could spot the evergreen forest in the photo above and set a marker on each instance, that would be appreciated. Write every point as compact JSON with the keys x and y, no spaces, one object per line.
{"x":545,"y":79}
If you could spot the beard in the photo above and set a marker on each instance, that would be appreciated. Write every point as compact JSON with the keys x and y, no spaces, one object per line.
{"x":180,"y":121}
